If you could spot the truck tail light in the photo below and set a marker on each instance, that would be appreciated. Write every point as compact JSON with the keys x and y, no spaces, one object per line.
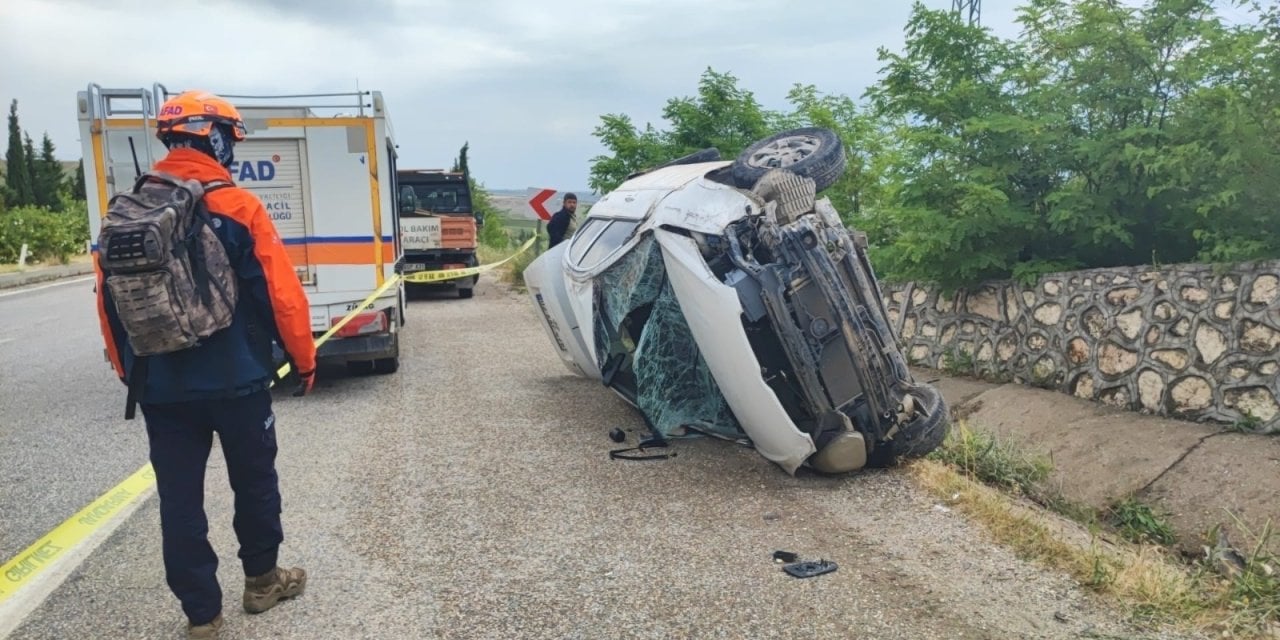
{"x":363,"y":324}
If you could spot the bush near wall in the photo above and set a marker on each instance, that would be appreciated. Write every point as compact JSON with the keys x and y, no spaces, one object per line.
{"x":1190,"y":341}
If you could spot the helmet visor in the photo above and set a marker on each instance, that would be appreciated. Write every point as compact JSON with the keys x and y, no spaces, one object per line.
{"x":200,"y":126}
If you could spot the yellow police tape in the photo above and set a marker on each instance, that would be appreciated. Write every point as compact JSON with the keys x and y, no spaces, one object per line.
{"x":33,"y":560}
{"x":419,"y":277}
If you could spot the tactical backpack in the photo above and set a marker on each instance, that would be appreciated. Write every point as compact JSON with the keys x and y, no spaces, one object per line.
{"x":169,"y":276}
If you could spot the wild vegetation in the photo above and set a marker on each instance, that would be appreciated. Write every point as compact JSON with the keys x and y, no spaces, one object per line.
{"x":1103,"y":135}
{"x":40,"y":206}
{"x":1125,"y":553}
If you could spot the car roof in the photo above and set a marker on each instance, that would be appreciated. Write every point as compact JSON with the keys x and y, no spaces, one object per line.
{"x":671,"y":178}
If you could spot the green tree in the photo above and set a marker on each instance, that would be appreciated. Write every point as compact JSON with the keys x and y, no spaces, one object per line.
{"x":18,"y":179}
{"x":460,"y":163}
{"x":1123,"y":75}
{"x":75,"y":184}
{"x":1227,"y":162}
{"x":47,"y":177}
{"x":630,"y":150}
{"x":975,"y":169}
{"x":722,"y":116}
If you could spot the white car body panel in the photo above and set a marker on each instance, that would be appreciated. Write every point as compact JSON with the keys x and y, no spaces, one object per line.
{"x":548,"y":286}
{"x":703,"y":206}
{"x":713,"y":312}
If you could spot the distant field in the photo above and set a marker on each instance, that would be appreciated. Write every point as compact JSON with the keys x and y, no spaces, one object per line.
{"x":520,"y":224}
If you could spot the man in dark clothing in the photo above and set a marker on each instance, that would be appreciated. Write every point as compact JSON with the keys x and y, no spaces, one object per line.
{"x":560,"y":220}
{"x":222,"y":385}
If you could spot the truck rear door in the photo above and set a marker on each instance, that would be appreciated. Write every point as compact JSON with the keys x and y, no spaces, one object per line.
{"x":273,"y":170}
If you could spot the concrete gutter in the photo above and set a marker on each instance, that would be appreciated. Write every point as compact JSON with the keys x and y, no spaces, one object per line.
{"x":44,"y":274}
{"x":1196,"y":473}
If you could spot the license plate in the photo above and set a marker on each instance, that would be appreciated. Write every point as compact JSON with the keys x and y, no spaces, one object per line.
{"x":410,"y":268}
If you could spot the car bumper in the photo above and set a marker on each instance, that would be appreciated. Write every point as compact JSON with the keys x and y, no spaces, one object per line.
{"x":371,"y":347}
{"x":545,"y":280}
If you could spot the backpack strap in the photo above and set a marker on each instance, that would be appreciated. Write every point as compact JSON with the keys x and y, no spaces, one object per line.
{"x":137,"y":381}
{"x":200,"y":271}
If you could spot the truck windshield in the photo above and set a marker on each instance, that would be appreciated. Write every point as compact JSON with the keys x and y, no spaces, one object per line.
{"x":437,"y":198}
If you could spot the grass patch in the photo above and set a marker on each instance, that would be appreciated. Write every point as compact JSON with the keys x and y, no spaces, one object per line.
{"x":986,"y":458}
{"x":1142,"y":575}
{"x":1138,"y":523}
{"x":1225,"y":592}
{"x":1252,"y":590}
{"x":958,"y":362}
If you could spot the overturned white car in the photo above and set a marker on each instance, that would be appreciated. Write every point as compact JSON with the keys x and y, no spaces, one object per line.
{"x":724,"y":299}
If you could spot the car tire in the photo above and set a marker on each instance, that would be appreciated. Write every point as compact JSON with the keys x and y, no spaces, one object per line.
{"x":386,"y":366}
{"x":921,"y":435}
{"x":812,"y":152}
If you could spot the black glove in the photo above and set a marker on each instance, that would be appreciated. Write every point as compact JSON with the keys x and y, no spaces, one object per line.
{"x":306,"y":380}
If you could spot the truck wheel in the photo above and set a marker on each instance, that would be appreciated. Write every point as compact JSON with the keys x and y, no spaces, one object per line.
{"x":385,"y":366}
{"x":812,"y":152}
{"x":466,"y":293}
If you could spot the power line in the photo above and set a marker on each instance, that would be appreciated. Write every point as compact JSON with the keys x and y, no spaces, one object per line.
{"x":968,"y":10}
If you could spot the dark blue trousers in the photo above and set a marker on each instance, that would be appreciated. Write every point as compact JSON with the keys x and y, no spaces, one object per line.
{"x":181,"y":436}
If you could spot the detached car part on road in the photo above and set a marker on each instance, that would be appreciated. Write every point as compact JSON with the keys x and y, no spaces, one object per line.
{"x":725,"y":299}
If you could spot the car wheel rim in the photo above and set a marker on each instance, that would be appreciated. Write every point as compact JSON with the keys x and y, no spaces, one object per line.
{"x":784,"y":152}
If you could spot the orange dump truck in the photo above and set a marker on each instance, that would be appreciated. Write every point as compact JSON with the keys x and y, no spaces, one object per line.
{"x":437,"y":226}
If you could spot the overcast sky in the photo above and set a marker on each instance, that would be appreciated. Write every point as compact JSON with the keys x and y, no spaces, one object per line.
{"x":524,"y":81}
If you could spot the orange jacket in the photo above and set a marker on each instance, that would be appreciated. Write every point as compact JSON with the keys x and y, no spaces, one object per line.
{"x":272,"y":303}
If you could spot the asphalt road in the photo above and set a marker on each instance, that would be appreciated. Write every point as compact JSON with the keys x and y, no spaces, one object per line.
{"x":63,"y":436}
{"x":471,"y":495}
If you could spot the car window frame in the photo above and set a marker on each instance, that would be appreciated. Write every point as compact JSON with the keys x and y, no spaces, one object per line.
{"x":580,"y":237}
{"x":577,"y":262}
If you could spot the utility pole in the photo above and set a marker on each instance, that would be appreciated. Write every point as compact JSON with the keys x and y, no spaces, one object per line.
{"x":968,"y":10}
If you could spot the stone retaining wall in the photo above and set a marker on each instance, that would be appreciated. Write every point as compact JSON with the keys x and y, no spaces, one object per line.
{"x":1187,"y":341}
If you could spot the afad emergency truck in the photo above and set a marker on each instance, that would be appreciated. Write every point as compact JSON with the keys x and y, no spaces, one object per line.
{"x":327,"y":181}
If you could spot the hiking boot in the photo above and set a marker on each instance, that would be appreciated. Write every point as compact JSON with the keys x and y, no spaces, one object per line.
{"x":205,"y":631}
{"x":264,"y":591}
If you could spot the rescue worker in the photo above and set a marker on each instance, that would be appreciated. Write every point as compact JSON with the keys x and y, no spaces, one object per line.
{"x":222,"y":385}
{"x":558,"y":226}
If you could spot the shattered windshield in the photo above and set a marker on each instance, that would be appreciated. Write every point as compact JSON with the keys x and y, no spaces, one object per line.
{"x":647,"y":350}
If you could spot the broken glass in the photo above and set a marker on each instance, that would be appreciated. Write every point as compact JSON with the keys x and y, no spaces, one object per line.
{"x":643,"y":338}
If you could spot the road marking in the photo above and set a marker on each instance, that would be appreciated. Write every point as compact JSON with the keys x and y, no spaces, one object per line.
{"x":46,"y":286}
{"x":29,"y":578}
